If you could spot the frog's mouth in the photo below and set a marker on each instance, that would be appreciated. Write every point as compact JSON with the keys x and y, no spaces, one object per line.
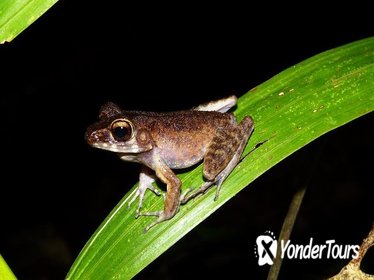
{"x":128,"y":147}
{"x":121,"y":148}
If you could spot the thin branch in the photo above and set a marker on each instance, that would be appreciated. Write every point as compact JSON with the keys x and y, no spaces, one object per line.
{"x":286,"y":230}
{"x":352,"y":269}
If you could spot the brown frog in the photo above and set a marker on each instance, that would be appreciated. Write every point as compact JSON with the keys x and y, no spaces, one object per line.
{"x":173,"y":140}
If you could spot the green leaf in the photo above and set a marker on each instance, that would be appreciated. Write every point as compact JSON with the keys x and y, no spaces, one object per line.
{"x":5,"y":272}
{"x":17,"y":15}
{"x":290,"y":110}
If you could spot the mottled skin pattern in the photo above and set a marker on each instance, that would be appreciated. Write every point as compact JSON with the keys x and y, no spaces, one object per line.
{"x":165,"y":141}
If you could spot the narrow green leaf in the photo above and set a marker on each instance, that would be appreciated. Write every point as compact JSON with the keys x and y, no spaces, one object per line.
{"x":290,"y":110}
{"x":17,"y":15}
{"x":5,"y":272}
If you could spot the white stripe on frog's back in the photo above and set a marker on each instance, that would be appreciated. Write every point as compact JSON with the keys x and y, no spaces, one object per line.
{"x":221,"y":105}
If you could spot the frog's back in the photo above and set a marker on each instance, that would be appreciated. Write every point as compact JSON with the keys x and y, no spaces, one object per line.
{"x":182,"y":137}
{"x":180,"y":121}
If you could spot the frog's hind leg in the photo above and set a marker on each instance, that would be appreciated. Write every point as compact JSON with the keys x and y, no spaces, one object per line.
{"x":172,"y":198}
{"x":222,"y":156}
{"x":222,"y":105}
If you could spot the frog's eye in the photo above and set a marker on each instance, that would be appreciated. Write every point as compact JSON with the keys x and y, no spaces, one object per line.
{"x":121,"y":130}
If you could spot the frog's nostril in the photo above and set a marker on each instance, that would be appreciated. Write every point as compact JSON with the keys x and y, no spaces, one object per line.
{"x":90,"y":137}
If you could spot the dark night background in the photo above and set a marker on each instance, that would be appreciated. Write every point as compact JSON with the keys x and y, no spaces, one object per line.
{"x":57,"y":190}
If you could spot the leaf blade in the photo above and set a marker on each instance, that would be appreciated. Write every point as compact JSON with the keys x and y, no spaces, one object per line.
{"x":290,"y":110}
{"x":17,"y":15}
{"x":5,"y":271}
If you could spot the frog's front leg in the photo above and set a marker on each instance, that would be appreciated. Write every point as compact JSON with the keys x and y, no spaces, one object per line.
{"x":172,"y":199}
{"x":146,"y":178}
{"x":222,"y":156}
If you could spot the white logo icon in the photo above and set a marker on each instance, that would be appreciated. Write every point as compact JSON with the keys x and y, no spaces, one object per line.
{"x":266,"y":248}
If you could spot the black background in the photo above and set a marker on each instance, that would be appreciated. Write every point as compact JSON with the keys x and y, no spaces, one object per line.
{"x":55,"y":75}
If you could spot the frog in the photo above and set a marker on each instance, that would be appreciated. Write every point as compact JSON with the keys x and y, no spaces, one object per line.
{"x":163,"y":142}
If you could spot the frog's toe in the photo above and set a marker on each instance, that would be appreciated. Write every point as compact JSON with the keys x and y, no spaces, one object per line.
{"x":162,"y":216}
{"x":155,"y":213}
{"x":137,"y":212}
{"x":135,"y":195}
{"x":192,"y":194}
{"x":153,"y":189}
{"x":140,"y":192}
{"x":158,"y":214}
{"x":183,"y":197}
